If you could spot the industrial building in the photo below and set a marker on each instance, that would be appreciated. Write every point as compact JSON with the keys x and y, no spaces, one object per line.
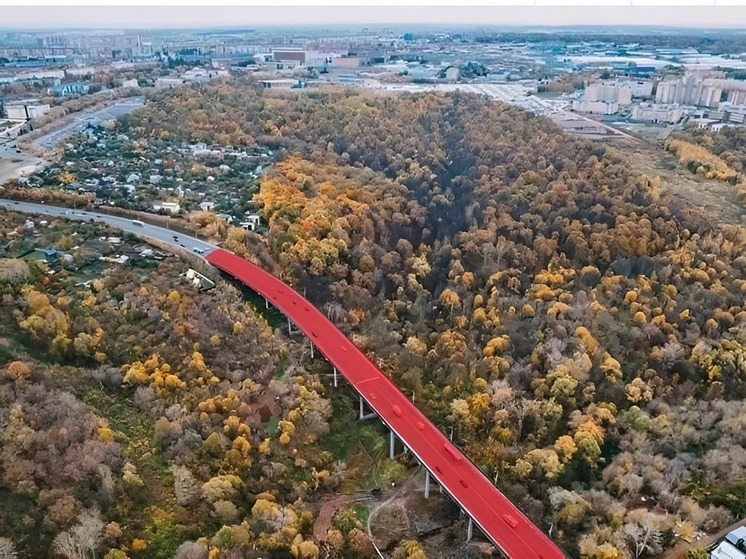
{"x":169,"y":82}
{"x":579,"y":126}
{"x":25,"y":111}
{"x":726,"y":113}
{"x":657,"y":113}
{"x":282,"y":84}
{"x":67,"y":89}
{"x":702,"y":123}
{"x":170,"y":207}
{"x":301,"y":57}
{"x":596,"y":107}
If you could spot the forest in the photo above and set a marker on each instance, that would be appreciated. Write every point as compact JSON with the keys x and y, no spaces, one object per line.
{"x":134,"y":422}
{"x":581,"y":334}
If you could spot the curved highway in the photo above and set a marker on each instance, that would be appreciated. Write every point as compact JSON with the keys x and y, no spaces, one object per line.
{"x":130,"y":225}
{"x":499,"y":519}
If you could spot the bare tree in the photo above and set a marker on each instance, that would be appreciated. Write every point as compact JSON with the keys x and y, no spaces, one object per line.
{"x":191,"y":550}
{"x":7,"y":549}
{"x":644,"y":532}
{"x":81,"y":541}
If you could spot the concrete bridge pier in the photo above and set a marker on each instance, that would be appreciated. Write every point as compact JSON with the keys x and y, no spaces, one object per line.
{"x":392,"y":445}
{"x":335,"y":377}
{"x":470,"y":530}
{"x":363,"y":414}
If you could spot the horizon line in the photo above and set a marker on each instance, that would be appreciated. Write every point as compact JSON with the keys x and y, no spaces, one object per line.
{"x":253,"y":26}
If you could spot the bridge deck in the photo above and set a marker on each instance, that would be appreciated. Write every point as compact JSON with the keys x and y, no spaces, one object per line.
{"x":501,"y":521}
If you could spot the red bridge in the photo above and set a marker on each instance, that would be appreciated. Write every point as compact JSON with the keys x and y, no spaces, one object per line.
{"x":501,"y":521}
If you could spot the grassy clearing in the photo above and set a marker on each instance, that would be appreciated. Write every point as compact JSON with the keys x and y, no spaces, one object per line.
{"x":362,"y":512}
{"x":362,"y":445}
{"x":346,"y":431}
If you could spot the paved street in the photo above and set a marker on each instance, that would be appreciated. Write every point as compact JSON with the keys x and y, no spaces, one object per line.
{"x":174,"y":239}
{"x":82,"y":119}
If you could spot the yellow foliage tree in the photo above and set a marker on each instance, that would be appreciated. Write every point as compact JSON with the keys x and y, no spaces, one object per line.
{"x":449,"y":298}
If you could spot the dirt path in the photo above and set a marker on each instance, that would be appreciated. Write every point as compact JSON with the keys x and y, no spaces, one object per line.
{"x":411,"y":484}
{"x":326,"y":513}
{"x":329,"y":508}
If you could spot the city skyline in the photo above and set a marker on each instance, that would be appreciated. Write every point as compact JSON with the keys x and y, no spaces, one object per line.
{"x":190,"y":17}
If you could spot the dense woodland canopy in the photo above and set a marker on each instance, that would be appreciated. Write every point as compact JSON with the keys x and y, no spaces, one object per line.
{"x":585,"y":341}
{"x":582,"y":336}
{"x":133,"y":418}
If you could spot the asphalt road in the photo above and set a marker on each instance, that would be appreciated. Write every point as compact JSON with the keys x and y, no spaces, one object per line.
{"x":175,"y":239}
{"x":82,"y":119}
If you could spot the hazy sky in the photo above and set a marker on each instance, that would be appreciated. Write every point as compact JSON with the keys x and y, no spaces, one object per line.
{"x":546,"y":13}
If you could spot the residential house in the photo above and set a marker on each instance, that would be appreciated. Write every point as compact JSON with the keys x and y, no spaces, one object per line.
{"x":251,"y":223}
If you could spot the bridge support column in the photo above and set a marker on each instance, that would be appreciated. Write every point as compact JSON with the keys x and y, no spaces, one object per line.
{"x":266,"y":303}
{"x":311,"y":344}
{"x":335,"y":377}
{"x":470,"y":530}
{"x":364,"y":415}
{"x":427,"y":484}
{"x":392,"y":444}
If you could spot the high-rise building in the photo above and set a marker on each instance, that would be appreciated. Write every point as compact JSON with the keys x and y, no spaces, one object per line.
{"x":689,"y":90}
{"x":609,"y":93}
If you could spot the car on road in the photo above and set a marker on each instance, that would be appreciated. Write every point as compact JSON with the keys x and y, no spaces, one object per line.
{"x":138,"y":223}
{"x":198,"y":250}
{"x":18,"y":151}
